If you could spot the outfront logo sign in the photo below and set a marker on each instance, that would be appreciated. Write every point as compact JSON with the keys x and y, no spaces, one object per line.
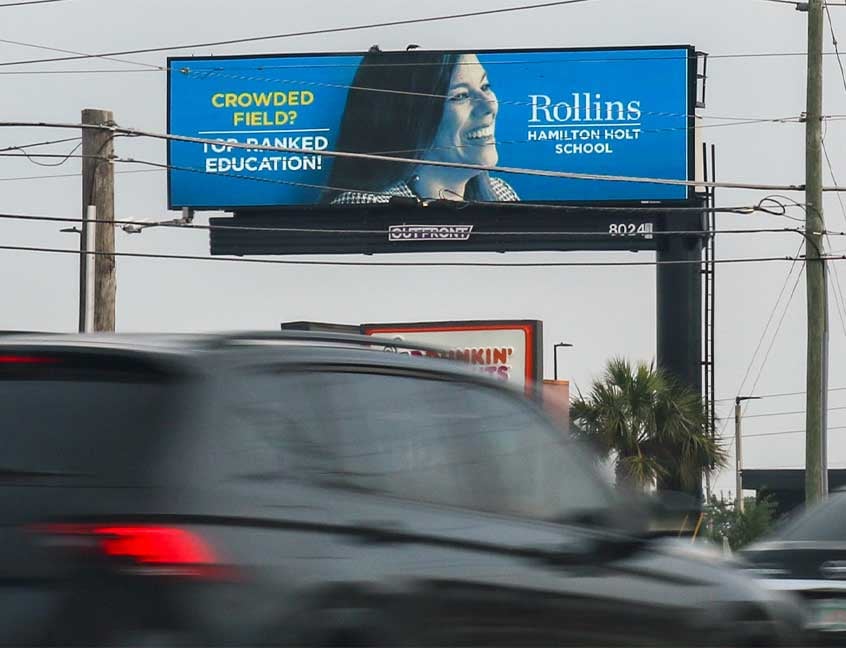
{"x":273,"y":125}
{"x":429,"y":232}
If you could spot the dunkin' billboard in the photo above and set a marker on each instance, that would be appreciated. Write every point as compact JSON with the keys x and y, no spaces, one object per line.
{"x":508,"y":350}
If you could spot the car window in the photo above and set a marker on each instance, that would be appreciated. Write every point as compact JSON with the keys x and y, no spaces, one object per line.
{"x":455,"y":443}
{"x":283,"y":429}
{"x":823,"y":523}
{"x":85,"y":416}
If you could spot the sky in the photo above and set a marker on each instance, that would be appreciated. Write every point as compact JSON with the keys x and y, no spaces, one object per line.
{"x":602,"y":311}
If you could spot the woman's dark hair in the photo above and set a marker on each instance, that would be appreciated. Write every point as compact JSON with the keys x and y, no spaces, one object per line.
{"x":394,"y":108}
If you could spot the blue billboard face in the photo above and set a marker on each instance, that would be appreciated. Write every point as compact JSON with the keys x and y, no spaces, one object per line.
{"x":624,"y":112}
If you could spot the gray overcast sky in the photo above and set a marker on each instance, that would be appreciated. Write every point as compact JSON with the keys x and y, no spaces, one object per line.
{"x":603,"y":311}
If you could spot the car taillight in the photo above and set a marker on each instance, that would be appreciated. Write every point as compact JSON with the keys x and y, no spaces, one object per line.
{"x":144,"y":549}
{"x":16,"y":359}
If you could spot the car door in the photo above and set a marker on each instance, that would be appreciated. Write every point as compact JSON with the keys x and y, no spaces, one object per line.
{"x":465,"y":485}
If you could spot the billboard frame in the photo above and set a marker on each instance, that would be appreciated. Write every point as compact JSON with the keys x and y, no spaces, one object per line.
{"x":692,"y":104}
{"x":533,"y":330}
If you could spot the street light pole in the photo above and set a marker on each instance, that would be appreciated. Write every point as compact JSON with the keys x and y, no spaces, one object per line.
{"x":555,"y":357}
{"x":738,"y":451}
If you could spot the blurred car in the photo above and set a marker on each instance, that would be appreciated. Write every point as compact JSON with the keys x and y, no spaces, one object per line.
{"x":306,"y":489}
{"x":807,"y":555}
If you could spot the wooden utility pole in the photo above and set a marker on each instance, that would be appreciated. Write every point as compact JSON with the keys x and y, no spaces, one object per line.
{"x":98,"y":191}
{"x":815,"y":271}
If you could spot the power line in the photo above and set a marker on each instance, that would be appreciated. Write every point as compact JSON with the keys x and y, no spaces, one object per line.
{"x":839,"y":299}
{"x":834,"y":42}
{"x":63,"y":158}
{"x":796,"y":393}
{"x":28,"y":2}
{"x":108,"y":55}
{"x":68,"y":51}
{"x":763,"y":335}
{"x":777,"y":330}
{"x":458,"y":165}
{"x":72,"y":175}
{"x":312,"y":32}
{"x":768,"y":414}
{"x":88,"y":71}
{"x":209,"y":73}
{"x":31,"y":157}
{"x":21,"y":147}
{"x":178,"y":223}
{"x":385,"y":158}
{"x":651,"y":209}
{"x":772,"y":340}
{"x":420,"y":264}
{"x":766,"y":434}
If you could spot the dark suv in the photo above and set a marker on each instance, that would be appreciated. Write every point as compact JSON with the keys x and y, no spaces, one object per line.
{"x":307,"y":489}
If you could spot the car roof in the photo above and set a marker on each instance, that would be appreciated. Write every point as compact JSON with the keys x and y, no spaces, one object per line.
{"x":254,"y":348}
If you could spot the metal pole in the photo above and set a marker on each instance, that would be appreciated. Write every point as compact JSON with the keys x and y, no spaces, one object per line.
{"x":738,"y":456}
{"x":555,"y":362}
{"x":817,"y":359}
{"x":555,"y":348}
{"x":90,"y":299}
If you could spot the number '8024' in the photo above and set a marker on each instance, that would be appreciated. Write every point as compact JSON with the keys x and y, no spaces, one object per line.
{"x":630,"y":229}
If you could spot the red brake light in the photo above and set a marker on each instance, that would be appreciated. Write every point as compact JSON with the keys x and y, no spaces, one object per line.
{"x":153,"y":545}
{"x":26,"y":360}
{"x":143,"y":549}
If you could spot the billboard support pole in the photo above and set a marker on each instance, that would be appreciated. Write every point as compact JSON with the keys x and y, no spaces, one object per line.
{"x":679,"y":305}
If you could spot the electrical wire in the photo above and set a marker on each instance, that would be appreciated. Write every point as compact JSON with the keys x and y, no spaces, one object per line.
{"x":780,"y":209}
{"x":131,"y":132}
{"x":31,"y":157}
{"x":28,"y":2}
{"x":21,"y":147}
{"x":73,"y":72}
{"x":763,"y":335}
{"x":834,"y":42}
{"x":179,"y":223}
{"x":768,"y":434}
{"x":769,"y":414}
{"x":780,"y":395}
{"x":456,"y":165}
{"x":839,"y":298}
{"x":72,"y":175}
{"x":777,"y":330}
{"x":728,"y":56}
{"x":311,"y":32}
{"x":417,"y":264}
{"x":207,"y":73}
{"x":68,"y":51}
{"x":159,"y":69}
{"x":772,"y":340}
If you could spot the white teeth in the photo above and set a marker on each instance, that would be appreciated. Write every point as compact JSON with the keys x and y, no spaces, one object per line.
{"x":480,"y":133}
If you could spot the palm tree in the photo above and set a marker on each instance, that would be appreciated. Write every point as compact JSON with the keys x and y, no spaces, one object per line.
{"x":656,"y":428}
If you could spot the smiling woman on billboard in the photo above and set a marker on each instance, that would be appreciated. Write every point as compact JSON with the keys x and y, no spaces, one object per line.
{"x":424,"y":107}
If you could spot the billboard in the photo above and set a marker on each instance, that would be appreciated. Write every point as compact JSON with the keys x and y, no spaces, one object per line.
{"x":509,"y":350}
{"x":441,"y":125}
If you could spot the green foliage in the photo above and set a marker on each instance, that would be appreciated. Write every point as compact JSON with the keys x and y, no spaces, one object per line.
{"x":723,"y":520}
{"x":655,"y":427}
